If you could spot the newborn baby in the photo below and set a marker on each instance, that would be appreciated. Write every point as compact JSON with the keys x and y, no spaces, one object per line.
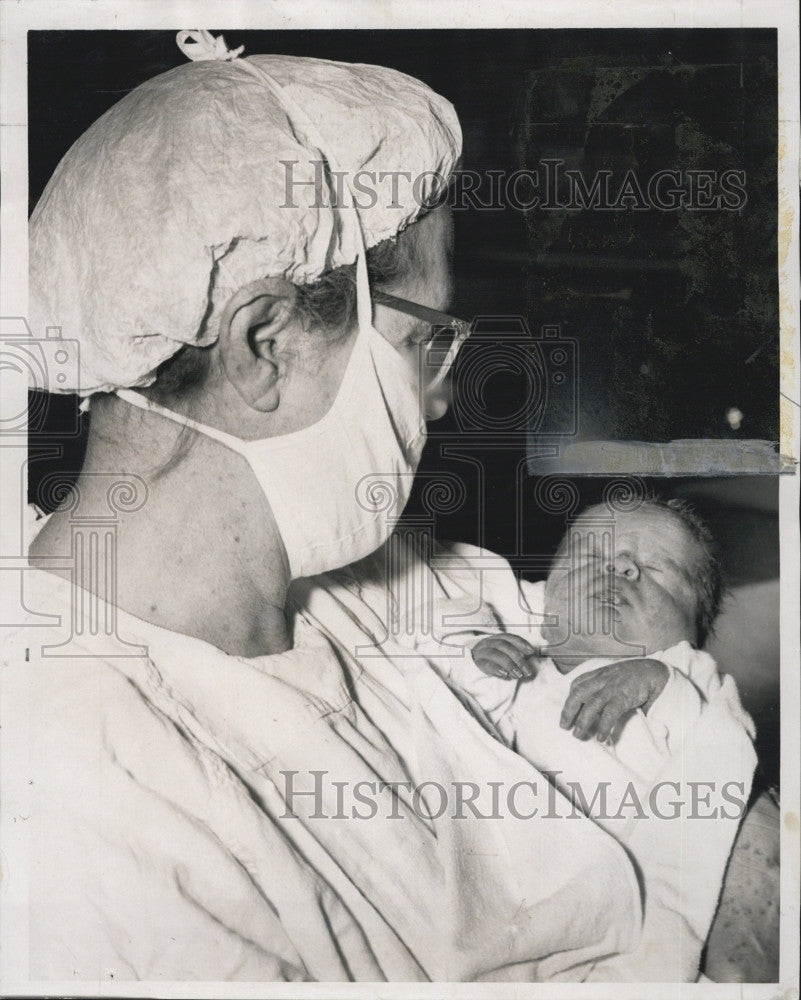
{"x":628,"y":603}
{"x":628,"y":588}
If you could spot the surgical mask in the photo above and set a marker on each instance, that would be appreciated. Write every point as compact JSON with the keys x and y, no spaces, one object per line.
{"x":321,"y":481}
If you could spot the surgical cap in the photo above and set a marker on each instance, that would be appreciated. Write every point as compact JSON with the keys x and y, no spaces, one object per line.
{"x":192,"y":186}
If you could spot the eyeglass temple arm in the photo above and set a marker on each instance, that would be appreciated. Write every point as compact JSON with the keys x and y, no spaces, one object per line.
{"x":419,"y":312}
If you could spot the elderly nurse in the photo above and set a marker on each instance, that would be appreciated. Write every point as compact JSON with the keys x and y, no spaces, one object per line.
{"x":206,"y":792}
{"x":170,"y":245}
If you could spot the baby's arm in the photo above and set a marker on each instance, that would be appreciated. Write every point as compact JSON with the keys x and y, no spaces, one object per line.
{"x":671,"y":688}
{"x":602,"y":700}
{"x":599,"y":701}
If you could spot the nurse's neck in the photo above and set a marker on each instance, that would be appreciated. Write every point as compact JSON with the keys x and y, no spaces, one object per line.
{"x":202,"y":554}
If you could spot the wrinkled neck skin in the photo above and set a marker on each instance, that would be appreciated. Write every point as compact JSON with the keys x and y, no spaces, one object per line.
{"x":203,"y":555}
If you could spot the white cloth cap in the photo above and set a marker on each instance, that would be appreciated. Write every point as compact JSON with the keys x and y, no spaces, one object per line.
{"x":178,"y":196}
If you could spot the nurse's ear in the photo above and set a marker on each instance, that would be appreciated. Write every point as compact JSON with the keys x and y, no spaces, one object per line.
{"x":249,"y":325}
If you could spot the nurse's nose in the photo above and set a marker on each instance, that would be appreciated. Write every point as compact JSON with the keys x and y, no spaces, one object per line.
{"x":437,"y":402}
{"x":623,"y":565}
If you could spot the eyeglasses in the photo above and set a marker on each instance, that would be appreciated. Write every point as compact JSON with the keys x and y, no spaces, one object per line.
{"x":441,"y":349}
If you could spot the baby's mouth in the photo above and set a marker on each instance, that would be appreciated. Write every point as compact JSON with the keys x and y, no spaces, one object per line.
{"x":610,"y":597}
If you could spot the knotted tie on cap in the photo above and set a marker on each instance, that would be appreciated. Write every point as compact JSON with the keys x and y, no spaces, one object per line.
{"x":202,"y":45}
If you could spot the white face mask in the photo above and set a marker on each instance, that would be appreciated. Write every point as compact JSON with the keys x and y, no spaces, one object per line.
{"x":318,"y":480}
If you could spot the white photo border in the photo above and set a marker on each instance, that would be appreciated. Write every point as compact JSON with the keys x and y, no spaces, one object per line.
{"x":16,"y":19}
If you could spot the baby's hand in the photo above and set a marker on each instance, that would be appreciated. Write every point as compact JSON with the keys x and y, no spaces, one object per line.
{"x":601,"y":701}
{"x":505,"y":655}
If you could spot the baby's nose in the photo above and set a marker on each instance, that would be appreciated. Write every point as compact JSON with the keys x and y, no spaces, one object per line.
{"x":623,"y":565}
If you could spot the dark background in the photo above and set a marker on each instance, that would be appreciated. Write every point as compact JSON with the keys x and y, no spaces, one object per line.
{"x":674,"y":316}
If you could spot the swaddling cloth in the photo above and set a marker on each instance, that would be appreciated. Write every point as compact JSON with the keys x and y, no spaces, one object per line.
{"x":672,"y":789}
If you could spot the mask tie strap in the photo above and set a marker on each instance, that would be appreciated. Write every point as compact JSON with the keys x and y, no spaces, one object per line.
{"x":143,"y":403}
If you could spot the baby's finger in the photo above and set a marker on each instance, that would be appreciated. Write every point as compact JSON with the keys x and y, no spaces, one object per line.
{"x":591,"y":682}
{"x":488,"y":665}
{"x":571,"y":708}
{"x":620,"y":725}
{"x":495,"y":661}
{"x":522,"y":645}
{"x":608,"y":719}
{"x":587,"y":719}
{"x":581,"y":691}
{"x":518,"y":656}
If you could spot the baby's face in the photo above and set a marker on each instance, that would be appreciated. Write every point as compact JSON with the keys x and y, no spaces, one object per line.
{"x":622,"y":588}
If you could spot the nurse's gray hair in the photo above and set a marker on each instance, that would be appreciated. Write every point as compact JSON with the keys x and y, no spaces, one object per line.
{"x":327,"y":305}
